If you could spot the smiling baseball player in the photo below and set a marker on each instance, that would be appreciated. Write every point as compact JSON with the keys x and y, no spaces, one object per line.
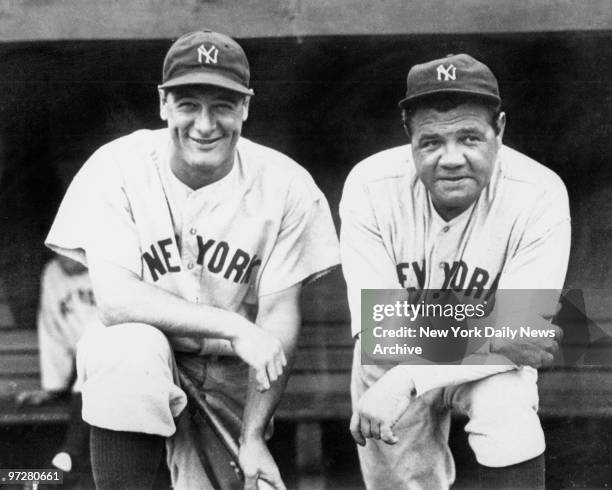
{"x":454,"y":209}
{"x":198,"y":242}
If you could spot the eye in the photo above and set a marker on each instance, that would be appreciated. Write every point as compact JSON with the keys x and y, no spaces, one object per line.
{"x":225,"y":106}
{"x":472,"y":139}
{"x":428,"y":144}
{"x":186,"y":105}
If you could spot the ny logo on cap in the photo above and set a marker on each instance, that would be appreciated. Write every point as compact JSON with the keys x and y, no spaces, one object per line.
{"x":449,"y":72}
{"x":209,"y":55}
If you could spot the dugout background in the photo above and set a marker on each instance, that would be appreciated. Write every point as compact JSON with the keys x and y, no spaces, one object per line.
{"x":327,"y":101}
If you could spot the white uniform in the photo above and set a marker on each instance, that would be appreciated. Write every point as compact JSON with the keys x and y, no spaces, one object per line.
{"x":67,"y":308}
{"x":259,"y":230}
{"x":515,"y":236}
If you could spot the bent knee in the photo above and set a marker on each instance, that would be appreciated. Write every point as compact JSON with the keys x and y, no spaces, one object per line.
{"x":128,"y":380}
{"x":504,"y":427}
{"x":129,"y":346}
{"x":506,"y":437}
{"x":513,"y":393}
{"x":507,"y":446}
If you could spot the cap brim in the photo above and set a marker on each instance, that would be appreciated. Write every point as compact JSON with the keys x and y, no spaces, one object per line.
{"x":408,"y":101}
{"x":203,"y":78}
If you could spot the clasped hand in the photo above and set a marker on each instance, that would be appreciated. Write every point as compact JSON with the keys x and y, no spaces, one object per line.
{"x":263,"y":352}
{"x":259,"y":468}
{"x":379,"y":409}
{"x":530,"y":351}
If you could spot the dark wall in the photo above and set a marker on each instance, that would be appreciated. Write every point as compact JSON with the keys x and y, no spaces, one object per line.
{"x":327,"y":102}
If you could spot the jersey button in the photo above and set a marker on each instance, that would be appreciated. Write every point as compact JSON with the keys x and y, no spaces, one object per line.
{"x":190,"y":265}
{"x":445,"y":229}
{"x":193,"y":231}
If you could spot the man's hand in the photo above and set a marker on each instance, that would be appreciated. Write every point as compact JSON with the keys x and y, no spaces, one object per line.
{"x":260,"y":470}
{"x":530,"y":351}
{"x":37,"y":397}
{"x":263,"y":352}
{"x":380,"y":408}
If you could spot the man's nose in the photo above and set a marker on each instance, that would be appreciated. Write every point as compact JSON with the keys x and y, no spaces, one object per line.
{"x":452,"y":156}
{"x":205,"y":121}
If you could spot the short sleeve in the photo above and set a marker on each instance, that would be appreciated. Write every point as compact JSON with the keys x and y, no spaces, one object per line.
{"x":366,"y":263}
{"x":95,"y":219}
{"x":541,"y":258}
{"x":307,"y":245}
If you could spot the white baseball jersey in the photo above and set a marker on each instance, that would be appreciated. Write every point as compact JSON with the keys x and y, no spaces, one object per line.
{"x":515,"y":236}
{"x":67,"y":307}
{"x":261,"y":229}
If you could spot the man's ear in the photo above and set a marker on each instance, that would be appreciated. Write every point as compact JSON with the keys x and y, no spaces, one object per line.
{"x":406,"y":123}
{"x":501,"y":126}
{"x":245,"y":108}
{"x":163,"y":111}
{"x":406,"y":129}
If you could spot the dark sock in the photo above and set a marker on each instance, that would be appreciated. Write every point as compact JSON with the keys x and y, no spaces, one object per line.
{"x":527,"y":475}
{"x":162,"y":478}
{"x":124,"y":460}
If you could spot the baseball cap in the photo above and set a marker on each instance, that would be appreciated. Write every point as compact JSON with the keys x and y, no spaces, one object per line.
{"x":208,"y":58}
{"x":459,"y":73}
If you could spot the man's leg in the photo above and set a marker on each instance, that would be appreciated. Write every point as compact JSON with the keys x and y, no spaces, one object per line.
{"x":527,"y":475}
{"x":127,"y":460}
{"x":130,"y":398}
{"x":421,"y":459}
{"x":222,"y":382}
{"x":504,"y":430}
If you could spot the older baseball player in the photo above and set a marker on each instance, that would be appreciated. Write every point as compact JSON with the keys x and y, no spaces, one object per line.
{"x":453,"y":209}
{"x":198,"y":242}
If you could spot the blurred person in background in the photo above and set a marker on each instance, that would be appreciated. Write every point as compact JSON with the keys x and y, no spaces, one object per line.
{"x":67,"y":308}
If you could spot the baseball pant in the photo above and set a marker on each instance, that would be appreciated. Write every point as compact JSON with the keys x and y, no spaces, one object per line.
{"x":130,"y":383}
{"x":503,"y":429}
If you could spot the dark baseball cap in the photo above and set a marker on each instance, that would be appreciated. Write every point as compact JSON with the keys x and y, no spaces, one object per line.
{"x":207,"y":58}
{"x":458,"y":73}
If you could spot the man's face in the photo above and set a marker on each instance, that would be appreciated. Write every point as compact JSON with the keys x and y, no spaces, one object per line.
{"x":454,"y":153}
{"x":205,"y":123}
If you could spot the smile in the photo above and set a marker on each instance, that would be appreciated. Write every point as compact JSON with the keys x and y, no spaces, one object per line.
{"x":453,"y":179}
{"x":205,"y":141}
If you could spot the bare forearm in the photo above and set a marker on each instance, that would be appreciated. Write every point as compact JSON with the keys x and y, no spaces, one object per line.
{"x":261,"y":406}
{"x":280,"y":316}
{"x":422,"y":379}
{"x":123,"y":298}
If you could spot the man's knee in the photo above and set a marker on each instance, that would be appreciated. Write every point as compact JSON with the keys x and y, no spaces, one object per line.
{"x":504,"y":428}
{"x":128,"y":381}
{"x":130,"y":346}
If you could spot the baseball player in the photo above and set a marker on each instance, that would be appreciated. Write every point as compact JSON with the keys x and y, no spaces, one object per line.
{"x":198,"y":242}
{"x":66,"y":309}
{"x":454,"y":209}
